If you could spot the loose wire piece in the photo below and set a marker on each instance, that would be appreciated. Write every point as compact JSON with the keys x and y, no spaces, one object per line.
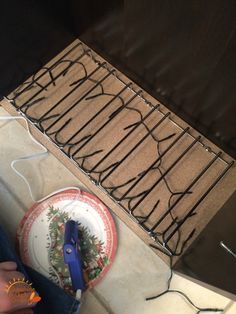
{"x":168,"y":290}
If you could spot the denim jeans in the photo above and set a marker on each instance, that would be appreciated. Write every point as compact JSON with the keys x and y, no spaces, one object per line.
{"x":54,"y":299}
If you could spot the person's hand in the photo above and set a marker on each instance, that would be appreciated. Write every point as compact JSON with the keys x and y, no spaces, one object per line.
{"x":7,"y":305}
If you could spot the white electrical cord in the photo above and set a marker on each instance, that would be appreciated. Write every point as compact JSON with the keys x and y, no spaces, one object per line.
{"x":31,"y":157}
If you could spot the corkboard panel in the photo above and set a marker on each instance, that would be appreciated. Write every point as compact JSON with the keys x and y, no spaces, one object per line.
{"x":125,"y":146}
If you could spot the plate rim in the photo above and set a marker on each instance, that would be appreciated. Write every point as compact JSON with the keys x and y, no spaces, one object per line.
{"x":110,"y":218}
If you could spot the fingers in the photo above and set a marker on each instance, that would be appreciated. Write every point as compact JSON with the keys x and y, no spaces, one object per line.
{"x":8,"y":266}
{"x":10,"y":275}
{"x":10,"y":300}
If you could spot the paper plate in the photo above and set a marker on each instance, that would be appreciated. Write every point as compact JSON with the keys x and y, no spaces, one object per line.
{"x":40,"y":236}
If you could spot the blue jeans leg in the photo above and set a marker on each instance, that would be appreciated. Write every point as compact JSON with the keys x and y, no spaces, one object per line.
{"x":54,"y":299}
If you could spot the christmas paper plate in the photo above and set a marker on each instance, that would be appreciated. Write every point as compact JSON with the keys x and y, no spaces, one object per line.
{"x":40,"y":236}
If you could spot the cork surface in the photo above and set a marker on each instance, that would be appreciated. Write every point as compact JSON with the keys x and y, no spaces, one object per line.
{"x":136,"y":157}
